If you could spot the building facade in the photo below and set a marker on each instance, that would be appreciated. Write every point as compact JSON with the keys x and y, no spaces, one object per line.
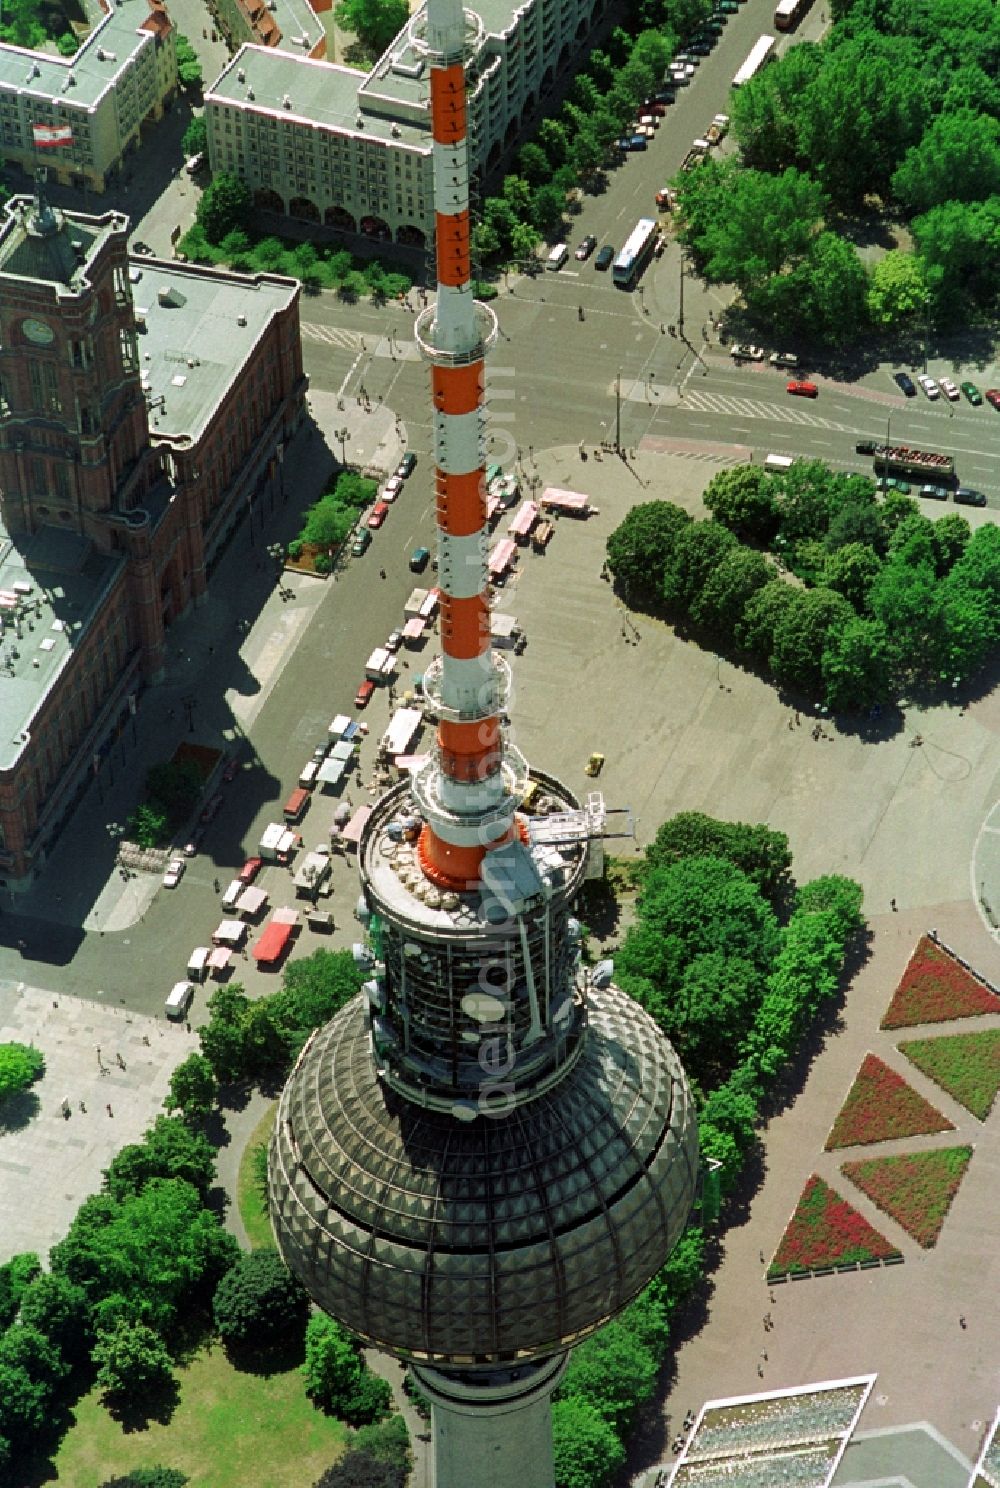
{"x":316,"y":142}
{"x":121,"y":80}
{"x":133,"y":438}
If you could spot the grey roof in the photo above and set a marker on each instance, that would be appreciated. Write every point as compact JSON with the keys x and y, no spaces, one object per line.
{"x":67,"y":579}
{"x":194,"y":346}
{"x":80,"y":81}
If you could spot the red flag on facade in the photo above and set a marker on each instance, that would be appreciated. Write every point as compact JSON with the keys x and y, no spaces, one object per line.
{"x":52,"y":134}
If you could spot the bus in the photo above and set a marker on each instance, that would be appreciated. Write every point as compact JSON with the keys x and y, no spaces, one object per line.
{"x":761,"y":52}
{"x":635,"y":252}
{"x":898,"y":459}
{"x":787,"y":13}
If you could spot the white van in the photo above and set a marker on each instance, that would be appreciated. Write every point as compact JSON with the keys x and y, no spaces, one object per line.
{"x":778,"y":462}
{"x":194,"y":163}
{"x":233,"y":892}
{"x":558,"y":256}
{"x":307,"y":777}
{"x":198,"y":963}
{"x":179,"y":999}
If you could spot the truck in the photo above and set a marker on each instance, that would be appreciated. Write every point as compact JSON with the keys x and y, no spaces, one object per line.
{"x":718,"y":129}
{"x":695,"y":155}
{"x":381,"y":665}
{"x":312,"y":873}
{"x":278,"y":843}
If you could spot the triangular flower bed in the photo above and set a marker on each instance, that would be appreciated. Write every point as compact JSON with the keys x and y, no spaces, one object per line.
{"x":966,"y":1065}
{"x":825,"y":1231}
{"x":934,"y":988}
{"x":880,"y":1106}
{"x":915,"y":1190}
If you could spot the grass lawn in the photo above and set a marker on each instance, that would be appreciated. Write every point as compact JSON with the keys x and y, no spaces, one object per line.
{"x":880,"y":1106}
{"x":229,"y":1430}
{"x":252,"y":1210}
{"x":916,"y":1190}
{"x":966,"y":1065}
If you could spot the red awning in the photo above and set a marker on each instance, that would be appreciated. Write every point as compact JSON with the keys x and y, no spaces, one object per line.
{"x":273,"y":942}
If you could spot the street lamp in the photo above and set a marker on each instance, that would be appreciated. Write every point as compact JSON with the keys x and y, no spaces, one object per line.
{"x":618,"y":412}
{"x":343,"y":435}
{"x":188,"y":704}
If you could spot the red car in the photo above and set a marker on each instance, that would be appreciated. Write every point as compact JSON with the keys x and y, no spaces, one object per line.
{"x":379,"y":513}
{"x":250,"y":869}
{"x":992,"y":395}
{"x":363,"y":696}
{"x":210,"y":808}
{"x":232,"y":769}
{"x":803,"y":389}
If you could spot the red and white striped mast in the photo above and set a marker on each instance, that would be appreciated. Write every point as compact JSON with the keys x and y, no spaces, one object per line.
{"x":466,"y":791}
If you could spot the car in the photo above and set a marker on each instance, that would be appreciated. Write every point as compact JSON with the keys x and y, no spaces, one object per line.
{"x":652,"y":106}
{"x":586,"y":248}
{"x":949,"y":389}
{"x":392,"y":488}
{"x":379,"y":513}
{"x":682,"y":74}
{"x":728,"y":7}
{"x":143,"y":249}
{"x":394,"y":640}
{"x":174,"y":873}
{"x":194,"y":842}
{"x":802,"y":389}
{"x":966,"y":496}
{"x":701,"y":46}
{"x":992,"y":395}
{"x":407,"y":465}
{"x":783,"y":359}
{"x":929,"y":386}
{"x":232,"y":768}
{"x":210,"y":808}
{"x":605,"y":258}
{"x":905,"y":383}
{"x":666,"y":96}
{"x":419,"y":559}
{"x":361,"y":543}
{"x":363,"y":696}
{"x":973,"y":394}
{"x":747,"y":353}
{"x":934,"y":493}
{"x":250,"y":869}
{"x":865,"y":447}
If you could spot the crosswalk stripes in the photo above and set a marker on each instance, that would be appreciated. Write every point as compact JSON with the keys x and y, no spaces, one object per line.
{"x":332,"y":336}
{"x":701,"y":402}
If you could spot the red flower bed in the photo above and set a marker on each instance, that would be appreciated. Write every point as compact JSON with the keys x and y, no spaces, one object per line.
{"x":826,"y":1231}
{"x":967,"y":1065}
{"x":916,"y":1191}
{"x":935,"y":988}
{"x":879,"y":1106}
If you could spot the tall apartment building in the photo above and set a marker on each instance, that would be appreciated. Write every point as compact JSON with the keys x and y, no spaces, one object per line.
{"x":316,"y":142}
{"x":145,"y":409}
{"x":121,"y":79}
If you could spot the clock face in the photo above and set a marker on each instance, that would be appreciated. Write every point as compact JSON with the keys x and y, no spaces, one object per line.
{"x":38,"y":332}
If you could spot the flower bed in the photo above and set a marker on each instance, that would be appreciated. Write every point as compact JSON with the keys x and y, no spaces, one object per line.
{"x":915,"y":1190}
{"x":826,"y":1231}
{"x":879,"y":1106}
{"x":935,"y":988}
{"x":966,"y":1065}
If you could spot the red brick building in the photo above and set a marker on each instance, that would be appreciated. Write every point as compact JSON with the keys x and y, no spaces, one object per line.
{"x":133,"y":438}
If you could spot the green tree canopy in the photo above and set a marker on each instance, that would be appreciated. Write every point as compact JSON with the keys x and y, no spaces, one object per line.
{"x":698,"y":550}
{"x":193,"y":1091}
{"x":259,"y":1301}
{"x":132,"y":1361}
{"x":728,"y":590}
{"x":337,"y":1377}
{"x":54,"y":1307}
{"x":169,"y":1149}
{"x":641,"y":546}
{"x":225,"y":204}
{"x":857,"y":666}
{"x":16,"y":1275}
{"x":612,"y":1371}
{"x":803,"y":633}
{"x":374,"y":22}
{"x":957,"y":159}
{"x":757,"y":851}
{"x":195,"y":140}
{"x":743,"y":499}
{"x":20,"y":1066}
{"x":897,"y":290}
{"x":588,"y":1452}
{"x":745,"y":225}
{"x":189,"y":73}
{"x":851,"y":570}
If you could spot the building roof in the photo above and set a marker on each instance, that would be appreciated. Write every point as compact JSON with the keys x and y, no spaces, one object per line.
{"x":321,"y":94}
{"x":50,"y":245}
{"x":51,"y":587}
{"x":194,"y":345}
{"x":82,"y":80}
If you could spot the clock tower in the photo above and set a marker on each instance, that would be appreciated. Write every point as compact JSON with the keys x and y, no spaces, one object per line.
{"x":74,"y":431}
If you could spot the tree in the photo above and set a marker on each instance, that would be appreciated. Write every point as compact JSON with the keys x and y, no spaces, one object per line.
{"x":613,"y":1372}
{"x":957,"y":159}
{"x":553,"y":139}
{"x":763,"y":613}
{"x":223,"y":1040}
{"x":534,"y":165}
{"x":225,"y":204}
{"x":743,"y":500}
{"x":804,"y":632}
{"x":588,"y":1452}
{"x":259,"y":1301}
{"x":808,"y":498}
{"x":958,"y":242}
{"x":174,"y":788}
{"x":327,"y":524}
{"x":857,"y":667}
{"x":897,"y":289}
{"x":851,"y":571}
{"x":758,"y":852}
{"x":825,"y":296}
{"x":195,"y":140}
{"x":747,"y":226}
{"x":53,"y":1306}
{"x":131,"y":1361}
{"x":524,"y":241}
{"x":16,"y":1275}
{"x":25,"y":1404}
{"x":546,"y":209}
{"x":193,"y":1091}
{"x":836,"y":895}
{"x":20,"y":1066}
{"x":189,"y":73}
{"x":767,"y":111}
{"x":148,"y":826}
{"x":336,"y":1376}
{"x":360,"y":1469}
{"x":697,"y":552}
{"x":374,"y":22}
{"x":949,"y":539}
{"x":314,"y":989}
{"x":728,"y":590}
{"x":587,"y":153}
{"x":169,"y":1149}
{"x":641,"y":546}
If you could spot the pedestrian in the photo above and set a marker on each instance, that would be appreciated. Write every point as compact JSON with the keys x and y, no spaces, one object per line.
{"x":762,"y":1258}
{"x":760,"y":1370}
{"x":121,"y":1062}
{"x":892,"y":905}
{"x":798,"y":718}
{"x":382,"y":573}
{"x":962,"y":1322}
{"x":109,"y":1110}
{"x":216,"y":885}
{"x":83,"y":1107}
{"x":763,"y":1354}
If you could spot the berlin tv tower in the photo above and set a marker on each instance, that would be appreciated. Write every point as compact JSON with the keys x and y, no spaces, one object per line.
{"x":489,"y":1153}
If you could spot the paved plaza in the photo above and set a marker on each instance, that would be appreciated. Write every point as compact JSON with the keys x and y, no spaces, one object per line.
{"x":96,"y":1057}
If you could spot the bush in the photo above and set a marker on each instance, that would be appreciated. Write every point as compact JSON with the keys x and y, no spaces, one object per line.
{"x":323,"y":564}
{"x":20,"y":1066}
{"x":149,"y":1477}
{"x":16,"y":1275}
{"x":59,"y":1310}
{"x":336,"y":1376}
{"x":295,"y":549}
{"x":259,"y":1301}
{"x":169,"y":1149}
{"x":131,"y":1361}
